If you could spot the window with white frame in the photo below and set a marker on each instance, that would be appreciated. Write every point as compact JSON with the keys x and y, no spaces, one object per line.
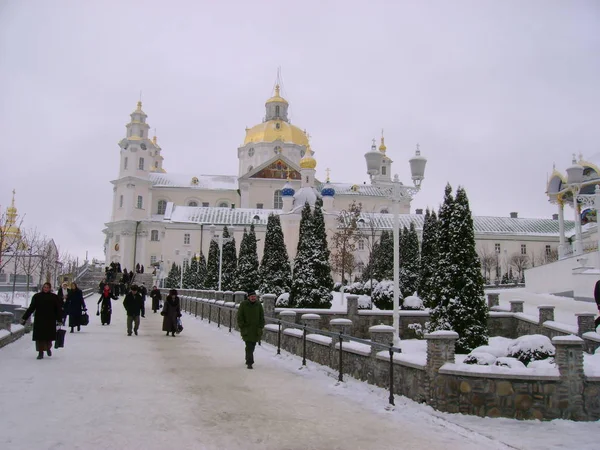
{"x":259,"y":206}
{"x":186,"y":239}
{"x":125,"y":161}
{"x":141,"y":133}
{"x":121,"y":201}
{"x":193,"y":204}
{"x":153,"y":259}
{"x":523,"y":249}
{"x":383,"y":170}
{"x":141,"y":164}
{"x":497,"y":248}
{"x":361,"y":244}
{"x":548,"y":250}
{"x":154,"y":235}
{"x":277,"y":199}
{"x":360,"y":267}
{"x":140,"y":202}
{"x":162,"y":206}
{"x":205,"y":204}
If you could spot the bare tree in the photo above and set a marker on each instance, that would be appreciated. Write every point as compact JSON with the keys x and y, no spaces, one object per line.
{"x":33,"y":246}
{"x":520,"y":262}
{"x":488,"y":262}
{"x":367,"y":230}
{"x":344,"y":240}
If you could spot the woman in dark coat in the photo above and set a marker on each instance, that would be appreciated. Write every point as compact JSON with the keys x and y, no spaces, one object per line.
{"x":75,"y":307}
{"x":156,"y":298}
{"x":171,"y":311}
{"x":46,"y":307}
{"x":62,"y":296}
{"x":106,"y":305}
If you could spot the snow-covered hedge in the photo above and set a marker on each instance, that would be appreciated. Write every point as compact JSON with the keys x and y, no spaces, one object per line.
{"x":283,"y":301}
{"x":412,"y":302}
{"x":337,"y":287}
{"x":355,"y":288}
{"x":383,"y":294}
{"x":367,"y":286}
{"x":534,"y":347}
{"x":364,"y":302}
{"x":480,"y":358}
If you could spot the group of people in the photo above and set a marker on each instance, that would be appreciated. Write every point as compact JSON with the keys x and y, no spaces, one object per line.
{"x":51,"y":310}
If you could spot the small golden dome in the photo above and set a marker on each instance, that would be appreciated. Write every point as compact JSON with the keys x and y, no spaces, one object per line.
{"x":308,"y":162}
{"x":277,"y":98}
{"x":382,"y":147}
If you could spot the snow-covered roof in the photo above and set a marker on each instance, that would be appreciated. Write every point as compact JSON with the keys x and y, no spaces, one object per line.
{"x":367,"y":190}
{"x":482,"y":224}
{"x":210,"y":215}
{"x":194,"y":181}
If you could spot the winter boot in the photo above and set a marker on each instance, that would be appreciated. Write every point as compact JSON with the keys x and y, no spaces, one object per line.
{"x":49,"y":352}
{"x":40,"y":355}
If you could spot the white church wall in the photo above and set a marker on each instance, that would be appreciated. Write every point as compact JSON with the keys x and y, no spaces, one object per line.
{"x":182,"y":196}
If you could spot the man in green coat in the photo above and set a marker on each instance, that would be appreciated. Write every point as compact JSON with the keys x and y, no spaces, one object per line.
{"x":251,"y":321}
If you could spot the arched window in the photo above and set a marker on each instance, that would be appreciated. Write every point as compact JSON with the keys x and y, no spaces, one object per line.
{"x":193,"y":203}
{"x":223,"y":205}
{"x":154,"y":235}
{"x":277,"y":110}
{"x":125,"y":161}
{"x":277,"y":199}
{"x":156,"y":164}
{"x":360,"y":267}
{"x":141,"y":164}
{"x":140,"y":202}
{"x":384,"y":211}
{"x":162,"y":206}
{"x":383,"y":170}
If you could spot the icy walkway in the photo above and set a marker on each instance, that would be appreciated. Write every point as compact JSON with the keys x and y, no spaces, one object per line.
{"x":106,"y":390}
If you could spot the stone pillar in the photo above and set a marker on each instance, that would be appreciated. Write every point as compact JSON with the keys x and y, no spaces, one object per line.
{"x":269,"y":304}
{"x":287,"y":316}
{"x":218,"y":295}
{"x":585,"y":323}
{"x":6,"y":319}
{"x":20,"y":312}
{"x":381,"y":334}
{"x":239,"y":297}
{"x":228,"y":296}
{"x":312,"y":321}
{"x":546,"y":312}
{"x":352,"y":306}
{"x":341,"y":325}
{"x":516,"y":306}
{"x":440,"y":350}
{"x":493,"y":299}
{"x":211,"y":294}
{"x":569,"y":359}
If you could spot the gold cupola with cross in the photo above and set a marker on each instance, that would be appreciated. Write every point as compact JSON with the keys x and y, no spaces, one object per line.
{"x":11,"y":233}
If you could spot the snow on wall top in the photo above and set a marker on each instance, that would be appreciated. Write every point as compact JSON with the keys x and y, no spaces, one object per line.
{"x":482,"y":224}
{"x":218,"y":182}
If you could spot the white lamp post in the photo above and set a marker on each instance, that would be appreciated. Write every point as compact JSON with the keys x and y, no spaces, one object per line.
{"x":574,"y":180}
{"x":397,"y":192}
{"x":220,"y":240}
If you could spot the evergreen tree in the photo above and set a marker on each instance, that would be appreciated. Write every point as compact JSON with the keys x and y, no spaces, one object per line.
{"x":322,"y":261}
{"x":247,"y":271}
{"x":275,"y":271}
{"x":190,"y":275}
{"x":229,"y":259}
{"x":211,"y":280}
{"x":429,"y":256}
{"x":201,"y":277}
{"x":411,"y":261}
{"x":174,"y":277}
{"x":383,"y":257}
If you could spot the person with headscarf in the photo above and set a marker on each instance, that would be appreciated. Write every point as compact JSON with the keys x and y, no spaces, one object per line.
{"x":46,"y":307}
{"x":105,"y":305}
{"x":75,"y":307}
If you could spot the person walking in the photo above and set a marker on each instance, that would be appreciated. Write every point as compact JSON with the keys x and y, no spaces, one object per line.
{"x":75,"y":307}
{"x":63,"y":292}
{"x":171,"y":312}
{"x":105,"y":305}
{"x":46,"y":306}
{"x":597,"y":298}
{"x":133,"y":305}
{"x":144,"y":292}
{"x":251,"y":321}
{"x":156,"y":298}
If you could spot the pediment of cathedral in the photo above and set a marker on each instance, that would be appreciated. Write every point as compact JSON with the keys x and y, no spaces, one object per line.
{"x":277,"y":169}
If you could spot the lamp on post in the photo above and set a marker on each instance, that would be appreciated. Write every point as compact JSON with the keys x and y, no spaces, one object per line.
{"x":396,"y":192}
{"x":220,"y":240}
{"x":574,"y":180}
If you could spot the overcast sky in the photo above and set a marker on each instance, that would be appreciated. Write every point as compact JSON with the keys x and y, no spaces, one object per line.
{"x":494,"y":92}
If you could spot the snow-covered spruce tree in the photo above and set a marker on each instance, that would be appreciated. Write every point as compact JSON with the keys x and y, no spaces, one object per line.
{"x":190,"y":275}
{"x":383,"y":257}
{"x":211,"y":279}
{"x":174,"y":277}
{"x":322,"y":262}
{"x":275,"y":271}
{"x":429,"y":256}
{"x":247,"y":271}
{"x":411,"y":261}
{"x":303,"y":280}
{"x":229,"y":270}
{"x":201,"y":271}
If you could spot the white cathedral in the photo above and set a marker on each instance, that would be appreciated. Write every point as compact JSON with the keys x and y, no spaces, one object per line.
{"x":159,"y":218}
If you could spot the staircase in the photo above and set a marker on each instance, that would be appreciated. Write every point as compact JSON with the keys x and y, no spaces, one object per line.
{"x":145,"y":278}
{"x":91,"y":278}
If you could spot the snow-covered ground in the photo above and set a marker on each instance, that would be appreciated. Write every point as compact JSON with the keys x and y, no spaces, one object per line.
{"x":565,"y":307}
{"x":19,"y":298}
{"x":106,"y":390}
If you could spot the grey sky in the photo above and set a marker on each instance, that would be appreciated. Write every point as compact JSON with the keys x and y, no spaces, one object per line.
{"x":494,"y":92}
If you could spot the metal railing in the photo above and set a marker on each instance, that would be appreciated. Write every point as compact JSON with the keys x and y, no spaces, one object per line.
{"x":339,"y":336}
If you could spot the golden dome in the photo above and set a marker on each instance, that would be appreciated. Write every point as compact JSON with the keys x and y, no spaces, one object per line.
{"x":308,"y":162}
{"x":276,"y":130}
{"x":277,"y":98}
{"x":382,"y":147}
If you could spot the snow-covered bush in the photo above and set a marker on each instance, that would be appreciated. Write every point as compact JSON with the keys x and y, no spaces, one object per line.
{"x":412,"y":302}
{"x":418,"y":329}
{"x":511,"y":363}
{"x":498,"y":352}
{"x":534,"y":347}
{"x":481,"y":359}
{"x":364,"y":302}
{"x":542,"y":364}
{"x":383,"y":294}
{"x":283,"y":301}
{"x":337,"y":287}
{"x":355,"y":288}
{"x":367,"y":286}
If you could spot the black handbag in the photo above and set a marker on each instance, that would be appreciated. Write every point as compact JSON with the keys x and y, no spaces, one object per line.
{"x":85,"y":319}
{"x":60,"y":338}
{"x":179,"y":326}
